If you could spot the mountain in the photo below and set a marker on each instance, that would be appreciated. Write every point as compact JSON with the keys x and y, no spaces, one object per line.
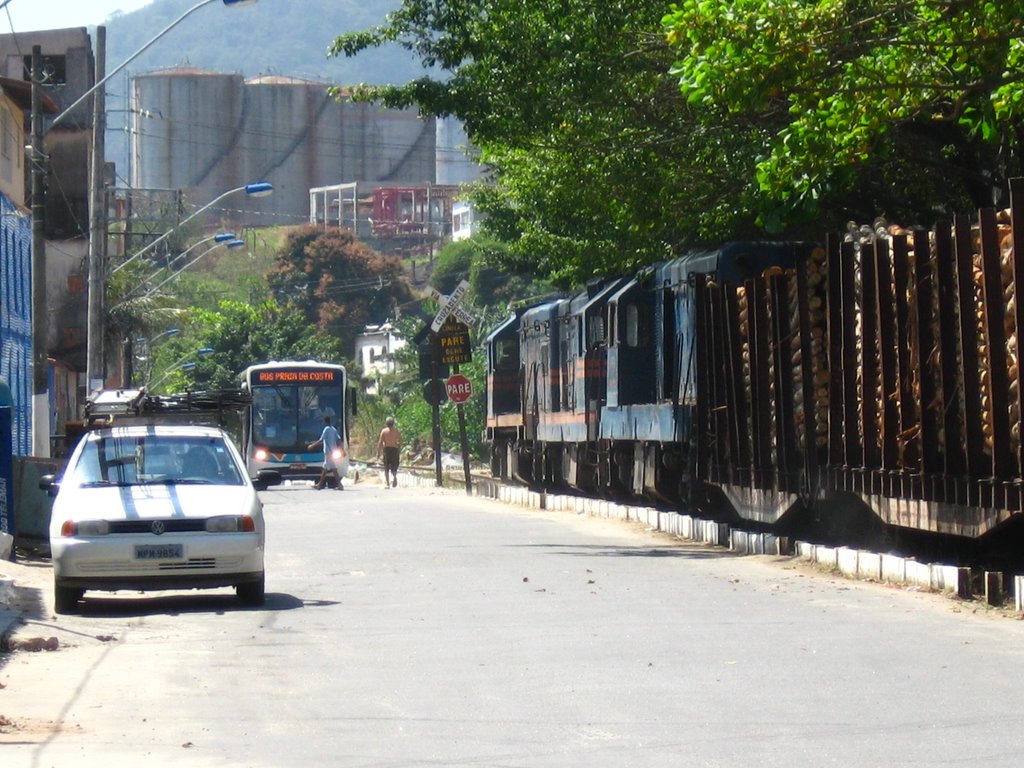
{"x":284,"y":37}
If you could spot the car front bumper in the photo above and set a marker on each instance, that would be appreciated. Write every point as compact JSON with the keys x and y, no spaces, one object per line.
{"x":109,"y":562}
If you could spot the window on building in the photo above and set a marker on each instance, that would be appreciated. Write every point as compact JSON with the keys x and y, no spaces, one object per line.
{"x":54,"y":69}
{"x":7,"y":140}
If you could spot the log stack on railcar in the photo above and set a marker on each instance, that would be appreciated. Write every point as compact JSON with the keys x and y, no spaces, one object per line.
{"x":877,"y":373}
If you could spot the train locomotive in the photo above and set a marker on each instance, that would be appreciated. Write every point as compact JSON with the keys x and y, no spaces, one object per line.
{"x":870,"y":382}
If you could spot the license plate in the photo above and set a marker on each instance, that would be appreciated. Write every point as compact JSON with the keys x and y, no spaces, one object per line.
{"x":159,"y":551}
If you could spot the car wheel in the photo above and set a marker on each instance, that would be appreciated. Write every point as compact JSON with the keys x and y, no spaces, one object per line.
{"x":65,"y":599}
{"x":252,"y":592}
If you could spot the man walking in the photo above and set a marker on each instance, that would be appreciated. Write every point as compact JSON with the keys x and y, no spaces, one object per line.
{"x":389,"y":442}
{"x":331,"y":442}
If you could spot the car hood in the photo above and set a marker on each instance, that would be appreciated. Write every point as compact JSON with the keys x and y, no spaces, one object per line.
{"x":154,"y":501}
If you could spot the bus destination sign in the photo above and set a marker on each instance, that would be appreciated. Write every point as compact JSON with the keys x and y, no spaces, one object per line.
{"x":297,"y":376}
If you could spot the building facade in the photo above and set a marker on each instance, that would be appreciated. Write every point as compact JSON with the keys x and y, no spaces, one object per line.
{"x":68,"y":70}
{"x":15,"y":270}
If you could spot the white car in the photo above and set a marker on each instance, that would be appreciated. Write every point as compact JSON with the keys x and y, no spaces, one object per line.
{"x":156,"y":507}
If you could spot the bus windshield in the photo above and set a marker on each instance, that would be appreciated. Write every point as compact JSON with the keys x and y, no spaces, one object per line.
{"x":291,"y":417}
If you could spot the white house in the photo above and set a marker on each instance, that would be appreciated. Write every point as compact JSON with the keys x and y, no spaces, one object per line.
{"x":375,"y":351}
{"x":465,"y":220}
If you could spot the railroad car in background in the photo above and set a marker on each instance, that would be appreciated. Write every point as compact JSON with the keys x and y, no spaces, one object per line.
{"x":545,"y":375}
{"x":603,"y":380}
{"x":870,"y":383}
{"x":504,"y":396}
{"x":646,"y":432}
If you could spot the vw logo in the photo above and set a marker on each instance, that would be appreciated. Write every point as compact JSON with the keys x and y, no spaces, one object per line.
{"x":157,"y":527}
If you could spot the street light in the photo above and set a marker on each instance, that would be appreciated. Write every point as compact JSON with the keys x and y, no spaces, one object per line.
{"x":97,"y":278}
{"x":180,"y":365}
{"x":145,"y":346}
{"x":97,"y":232}
{"x":130,"y":59}
{"x":176,"y":272}
{"x":150,"y":342}
{"x":256,"y":189}
{"x":220,"y":237}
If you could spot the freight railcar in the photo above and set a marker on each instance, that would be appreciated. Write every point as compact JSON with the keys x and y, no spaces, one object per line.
{"x":873,"y":378}
{"x":601,"y":380}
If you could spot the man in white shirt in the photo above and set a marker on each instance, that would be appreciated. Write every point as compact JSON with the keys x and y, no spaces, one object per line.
{"x":330,"y":439}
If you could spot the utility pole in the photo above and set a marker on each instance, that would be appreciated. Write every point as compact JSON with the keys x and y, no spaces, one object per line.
{"x":40,"y":386}
{"x":95,"y":373}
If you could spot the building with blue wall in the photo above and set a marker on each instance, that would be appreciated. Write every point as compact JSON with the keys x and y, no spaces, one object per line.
{"x":16,"y":317}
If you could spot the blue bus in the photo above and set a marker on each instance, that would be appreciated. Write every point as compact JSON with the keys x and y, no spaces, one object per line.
{"x":289,"y":402}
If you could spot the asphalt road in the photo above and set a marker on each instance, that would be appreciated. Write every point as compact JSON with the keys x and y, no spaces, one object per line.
{"x":414,"y":627}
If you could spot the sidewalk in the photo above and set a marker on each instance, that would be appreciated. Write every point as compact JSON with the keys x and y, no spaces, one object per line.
{"x":24,"y":593}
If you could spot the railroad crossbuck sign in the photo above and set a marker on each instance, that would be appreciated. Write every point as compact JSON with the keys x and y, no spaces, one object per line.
{"x":449,"y":305}
{"x":458,"y":312}
{"x":459,"y":388}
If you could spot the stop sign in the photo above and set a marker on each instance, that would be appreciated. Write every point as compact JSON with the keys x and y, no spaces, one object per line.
{"x":459,"y":388}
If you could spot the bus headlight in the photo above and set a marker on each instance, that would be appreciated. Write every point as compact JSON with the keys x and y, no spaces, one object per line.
{"x":260,"y":454}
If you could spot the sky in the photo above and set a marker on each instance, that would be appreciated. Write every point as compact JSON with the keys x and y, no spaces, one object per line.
{"x":34,"y":15}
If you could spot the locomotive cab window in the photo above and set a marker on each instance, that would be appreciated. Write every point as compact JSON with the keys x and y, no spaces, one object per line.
{"x":506,"y":355}
{"x":637,"y":327}
{"x":595,"y":331}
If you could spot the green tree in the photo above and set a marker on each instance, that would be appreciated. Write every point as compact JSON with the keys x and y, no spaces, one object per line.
{"x":336,"y":283}
{"x":480,"y":260}
{"x":401,"y":396}
{"x":897,"y":106}
{"x":131,"y":314}
{"x":621,"y":133}
{"x":599,"y":163}
{"x":240,"y":335}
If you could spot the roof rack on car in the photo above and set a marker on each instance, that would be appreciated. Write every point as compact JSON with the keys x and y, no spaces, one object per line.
{"x":136,"y":406}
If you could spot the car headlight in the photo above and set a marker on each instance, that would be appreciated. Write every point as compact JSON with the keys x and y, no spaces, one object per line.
{"x":85,"y":528}
{"x":231,"y":524}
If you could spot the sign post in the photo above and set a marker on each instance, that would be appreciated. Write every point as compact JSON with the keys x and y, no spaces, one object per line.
{"x":435,"y":346}
{"x":459,"y":390}
{"x":450,"y":346}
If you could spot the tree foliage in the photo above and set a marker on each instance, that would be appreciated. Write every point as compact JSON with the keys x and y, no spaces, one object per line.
{"x":401,"y":396}
{"x":590,"y":141}
{"x":479,"y":260}
{"x":239,"y":335}
{"x":624,"y":132}
{"x":336,"y":283}
{"x":922,"y":91}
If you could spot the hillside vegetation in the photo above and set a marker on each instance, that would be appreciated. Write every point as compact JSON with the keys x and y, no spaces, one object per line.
{"x":268,"y":37}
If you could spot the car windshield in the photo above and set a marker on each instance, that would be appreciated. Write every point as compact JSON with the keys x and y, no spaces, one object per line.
{"x":155,"y":459}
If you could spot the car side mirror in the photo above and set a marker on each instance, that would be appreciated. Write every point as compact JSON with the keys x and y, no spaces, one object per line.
{"x":266,"y":478}
{"x":50,"y":484}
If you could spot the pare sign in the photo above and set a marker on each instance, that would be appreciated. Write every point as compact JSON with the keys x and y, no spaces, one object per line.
{"x":459,"y":388}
